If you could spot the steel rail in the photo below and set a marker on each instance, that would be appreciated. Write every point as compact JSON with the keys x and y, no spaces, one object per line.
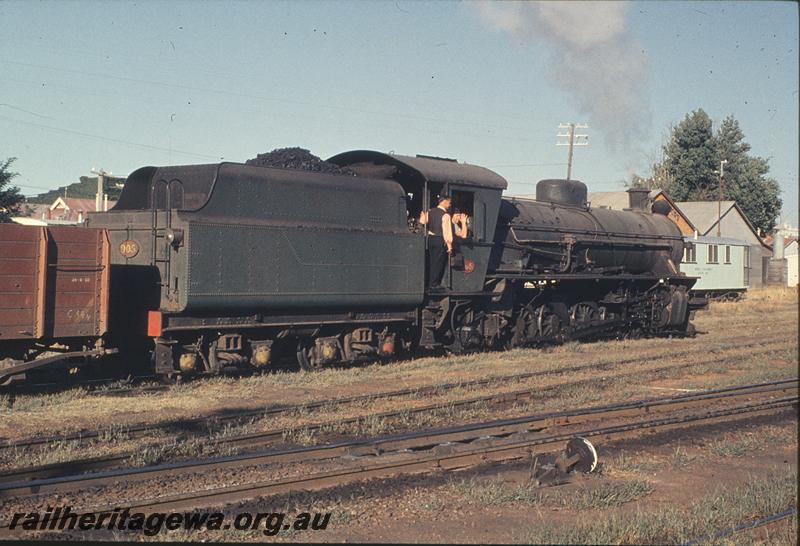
{"x":746,"y":526}
{"x":426,"y":462}
{"x":135,"y":431}
{"x":413,"y":440}
{"x":94,"y":387}
{"x":262,"y":439}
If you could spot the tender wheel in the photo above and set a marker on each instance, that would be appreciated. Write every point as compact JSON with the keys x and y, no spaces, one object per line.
{"x":305,"y":357}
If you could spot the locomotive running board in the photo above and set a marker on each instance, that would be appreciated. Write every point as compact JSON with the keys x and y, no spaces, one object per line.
{"x":7,"y":374}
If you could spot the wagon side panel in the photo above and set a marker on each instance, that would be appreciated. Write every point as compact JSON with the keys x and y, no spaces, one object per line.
{"x":22,"y":277}
{"x":77,"y":283}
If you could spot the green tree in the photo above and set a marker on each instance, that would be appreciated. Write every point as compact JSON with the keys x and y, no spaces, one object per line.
{"x":692,"y":156}
{"x":10,"y":196}
{"x":746,"y":180}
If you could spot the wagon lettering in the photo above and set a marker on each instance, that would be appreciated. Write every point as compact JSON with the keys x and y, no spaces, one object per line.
{"x":79,"y":315}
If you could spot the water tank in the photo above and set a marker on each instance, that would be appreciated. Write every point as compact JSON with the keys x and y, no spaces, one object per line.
{"x":563,"y":192}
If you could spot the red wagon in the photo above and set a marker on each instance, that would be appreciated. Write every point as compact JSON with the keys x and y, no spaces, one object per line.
{"x":54,"y":285}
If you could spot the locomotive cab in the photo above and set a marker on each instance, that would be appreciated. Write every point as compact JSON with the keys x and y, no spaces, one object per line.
{"x":476,"y":191}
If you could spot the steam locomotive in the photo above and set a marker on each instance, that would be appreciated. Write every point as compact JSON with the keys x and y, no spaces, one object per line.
{"x":227,"y":266}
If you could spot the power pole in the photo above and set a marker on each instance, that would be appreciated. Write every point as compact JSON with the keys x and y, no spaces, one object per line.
{"x":572,"y":141}
{"x":721,"y":173}
{"x":98,"y":198}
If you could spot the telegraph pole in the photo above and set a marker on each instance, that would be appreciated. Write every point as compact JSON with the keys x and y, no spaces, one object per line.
{"x":572,"y":141}
{"x":721,"y":173}
{"x":98,"y":198}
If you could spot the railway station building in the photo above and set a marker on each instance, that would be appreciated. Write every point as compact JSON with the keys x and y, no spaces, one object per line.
{"x":733,"y":224}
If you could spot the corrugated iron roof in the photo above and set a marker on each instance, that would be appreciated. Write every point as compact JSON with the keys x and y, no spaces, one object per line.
{"x":75,"y":203}
{"x":704,"y":214}
{"x":616,"y":200}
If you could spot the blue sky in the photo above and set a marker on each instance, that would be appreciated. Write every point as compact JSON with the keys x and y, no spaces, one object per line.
{"x":120,"y":85}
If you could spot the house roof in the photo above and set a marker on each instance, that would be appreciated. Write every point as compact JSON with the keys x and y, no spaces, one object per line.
{"x":769,"y":239}
{"x":616,"y":200}
{"x":74,"y":203}
{"x":36,"y":210}
{"x":619,"y":200}
{"x":704,"y":214}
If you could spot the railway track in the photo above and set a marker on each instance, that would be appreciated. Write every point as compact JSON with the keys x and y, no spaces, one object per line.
{"x":496,"y":430}
{"x":134,"y":390}
{"x":189,"y":424}
{"x":267,"y":438}
{"x":104,"y":386}
{"x":448,"y":448}
{"x":770,"y":519}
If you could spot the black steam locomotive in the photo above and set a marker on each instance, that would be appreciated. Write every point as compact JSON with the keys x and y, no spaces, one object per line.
{"x":232,"y":265}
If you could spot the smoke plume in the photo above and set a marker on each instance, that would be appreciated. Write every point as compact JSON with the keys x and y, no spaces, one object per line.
{"x":593,"y":59}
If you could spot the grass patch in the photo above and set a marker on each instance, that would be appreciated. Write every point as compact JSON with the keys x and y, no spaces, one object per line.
{"x":738,"y":445}
{"x":631,"y":464}
{"x":193,"y":448}
{"x":719,"y":510}
{"x":50,"y":453}
{"x":681,"y":457}
{"x":38,"y":402}
{"x":606,"y":494}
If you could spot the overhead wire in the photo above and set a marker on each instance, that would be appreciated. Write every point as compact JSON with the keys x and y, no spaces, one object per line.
{"x":111,"y":139}
{"x":224,"y":73}
{"x":261,"y":97}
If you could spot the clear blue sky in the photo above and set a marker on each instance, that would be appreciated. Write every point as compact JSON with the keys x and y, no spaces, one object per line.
{"x":120,"y":85}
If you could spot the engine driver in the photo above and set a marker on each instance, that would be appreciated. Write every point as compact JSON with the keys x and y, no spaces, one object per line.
{"x":440,"y":241}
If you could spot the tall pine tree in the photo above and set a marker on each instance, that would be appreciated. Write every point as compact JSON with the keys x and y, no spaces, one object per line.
{"x":692,"y":156}
{"x":690,"y":159}
{"x":746,"y":180}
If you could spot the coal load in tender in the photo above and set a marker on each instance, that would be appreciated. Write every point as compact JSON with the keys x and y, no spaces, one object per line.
{"x":297,"y":158}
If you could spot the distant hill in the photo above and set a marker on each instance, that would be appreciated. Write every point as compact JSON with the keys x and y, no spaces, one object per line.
{"x":85,"y":189}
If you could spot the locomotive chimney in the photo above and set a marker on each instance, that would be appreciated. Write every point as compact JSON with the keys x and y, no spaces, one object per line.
{"x":638,"y":198}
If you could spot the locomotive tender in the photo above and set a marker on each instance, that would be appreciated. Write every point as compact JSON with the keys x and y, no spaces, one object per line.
{"x":232,"y":265}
